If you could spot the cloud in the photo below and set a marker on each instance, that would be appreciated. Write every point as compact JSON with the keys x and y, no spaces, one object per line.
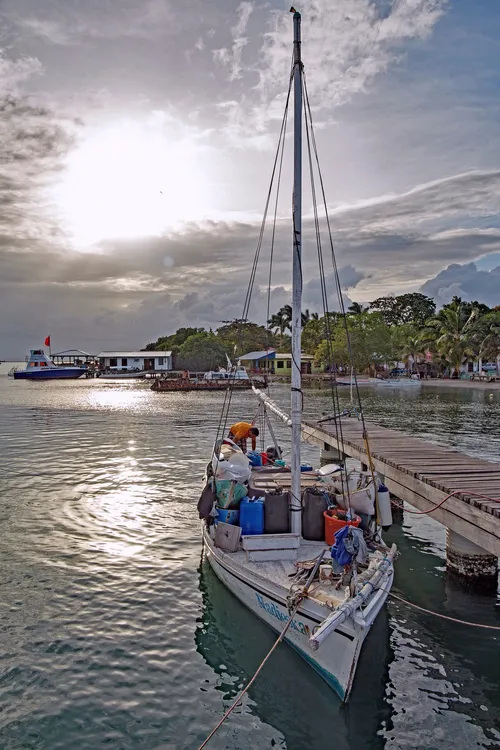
{"x":465,"y":281}
{"x":65,"y":22}
{"x":346,"y":45}
{"x":13,"y":73}
{"x":33,"y":142}
{"x":382,"y":246}
{"x":232,"y":57}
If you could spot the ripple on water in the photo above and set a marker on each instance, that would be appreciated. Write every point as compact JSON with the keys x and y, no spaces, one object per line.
{"x":113,"y":634}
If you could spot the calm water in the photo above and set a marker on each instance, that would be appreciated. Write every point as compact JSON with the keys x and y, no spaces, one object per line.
{"x":115,"y":634}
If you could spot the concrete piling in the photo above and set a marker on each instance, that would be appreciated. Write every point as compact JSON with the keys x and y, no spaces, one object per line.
{"x":470,"y":563}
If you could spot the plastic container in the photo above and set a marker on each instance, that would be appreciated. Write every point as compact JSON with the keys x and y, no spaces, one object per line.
{"x":306,"y":467}
{"x":277,"y":513}
{"x":252,"y":516}
{"x":254,"y":458}
{"x":229,"y":493}
{"x":314,"y":504}
{"x":228,"y":516}
{"x":335,"y":520}
{"x":279,"y":462}
{"x":265,"y":458}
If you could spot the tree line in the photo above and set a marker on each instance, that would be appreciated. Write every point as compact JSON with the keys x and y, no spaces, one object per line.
{"x":405,"y":328}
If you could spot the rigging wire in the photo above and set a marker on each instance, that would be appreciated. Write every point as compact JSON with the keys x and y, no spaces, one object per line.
{"x":224,"y":416}
{"x":339,"y":288}
{"x":324,"y":296}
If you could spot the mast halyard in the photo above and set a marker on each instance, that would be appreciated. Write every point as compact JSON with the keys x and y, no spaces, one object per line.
{"x":296,"y":394}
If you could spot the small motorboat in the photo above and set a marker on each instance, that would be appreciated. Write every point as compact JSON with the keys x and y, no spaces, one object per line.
{"x":399,"y":382}
{"x":40,"y":367}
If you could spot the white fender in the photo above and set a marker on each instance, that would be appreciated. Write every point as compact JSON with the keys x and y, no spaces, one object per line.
{"x":384,"y":507}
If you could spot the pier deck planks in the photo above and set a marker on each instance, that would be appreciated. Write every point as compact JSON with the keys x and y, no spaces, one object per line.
{"x":423,"y":474}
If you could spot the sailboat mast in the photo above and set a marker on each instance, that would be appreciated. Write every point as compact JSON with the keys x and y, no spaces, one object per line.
{"x":296,"y":395}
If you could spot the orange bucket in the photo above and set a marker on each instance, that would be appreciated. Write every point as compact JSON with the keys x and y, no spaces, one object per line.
{"x":335,"y":520}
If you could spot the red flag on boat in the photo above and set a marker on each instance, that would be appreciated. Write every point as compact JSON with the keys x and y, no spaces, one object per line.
{"x":47,"y":341}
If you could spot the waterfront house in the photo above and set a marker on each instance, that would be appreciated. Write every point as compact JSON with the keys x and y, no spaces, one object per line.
{"x":136,"y":361}
{"x":280,"y":363}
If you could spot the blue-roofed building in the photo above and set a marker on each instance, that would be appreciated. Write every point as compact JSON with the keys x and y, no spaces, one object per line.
{"x":263,"y":360}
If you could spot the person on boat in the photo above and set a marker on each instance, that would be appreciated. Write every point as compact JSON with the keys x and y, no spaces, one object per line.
{"x":240,"y":432}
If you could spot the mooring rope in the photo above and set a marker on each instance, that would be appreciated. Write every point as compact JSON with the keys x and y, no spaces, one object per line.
{"x":442,"y":502}
{"x":294,"y":603}
{"x":256,"y":674}
{"x":443,"y":617}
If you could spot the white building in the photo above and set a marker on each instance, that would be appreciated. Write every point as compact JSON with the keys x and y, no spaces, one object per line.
{"x":143,"y":361}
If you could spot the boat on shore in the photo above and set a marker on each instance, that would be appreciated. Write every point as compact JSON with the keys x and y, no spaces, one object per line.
{"x":40,"y":367}
{"x":215,"y":380}
{"x":399,"y":382}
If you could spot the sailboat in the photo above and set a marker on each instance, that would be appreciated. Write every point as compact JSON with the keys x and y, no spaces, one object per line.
{"x":272,"y":553}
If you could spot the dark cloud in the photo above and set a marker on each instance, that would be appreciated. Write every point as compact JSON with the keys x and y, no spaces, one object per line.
{"x":396,"y":218}
{"x":465,"y":281}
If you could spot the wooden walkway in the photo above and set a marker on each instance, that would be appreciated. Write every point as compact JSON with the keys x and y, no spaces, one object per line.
{"x":423,"y":474}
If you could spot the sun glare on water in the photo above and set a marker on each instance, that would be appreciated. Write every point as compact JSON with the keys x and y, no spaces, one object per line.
{"x":129,"y":181}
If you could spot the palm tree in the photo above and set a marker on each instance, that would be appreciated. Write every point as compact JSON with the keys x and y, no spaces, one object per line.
{"x":356,"y":309}
{"x":281,"y":321}
{"x":411,"y":349}
{"x":489,"y":334}
{"x":452,"y":335}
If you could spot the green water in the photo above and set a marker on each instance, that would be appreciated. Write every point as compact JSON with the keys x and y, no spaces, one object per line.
{"x":115,"y":634}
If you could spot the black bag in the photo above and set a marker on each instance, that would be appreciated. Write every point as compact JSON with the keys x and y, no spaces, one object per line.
{"x":207,"y":500}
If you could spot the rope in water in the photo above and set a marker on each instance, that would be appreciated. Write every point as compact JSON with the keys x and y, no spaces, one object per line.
{"x":442,"y":502}
{"x":259,"y":669}
{"x":443,"y":617}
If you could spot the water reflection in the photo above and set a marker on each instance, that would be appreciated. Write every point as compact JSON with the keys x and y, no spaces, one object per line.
{"x":288,"y":694}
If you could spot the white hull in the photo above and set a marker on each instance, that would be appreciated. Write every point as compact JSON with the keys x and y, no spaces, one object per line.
{"x":337,"y":657}
{"x":400,"y":383}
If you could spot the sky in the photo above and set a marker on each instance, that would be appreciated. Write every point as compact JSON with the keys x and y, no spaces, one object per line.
{"x":137,"y":139}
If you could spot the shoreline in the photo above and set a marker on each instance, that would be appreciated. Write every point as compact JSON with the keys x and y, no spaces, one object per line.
{"x":480,"y":385}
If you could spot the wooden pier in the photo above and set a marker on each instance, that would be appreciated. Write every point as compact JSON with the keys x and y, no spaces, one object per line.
{"x":423,"y":474}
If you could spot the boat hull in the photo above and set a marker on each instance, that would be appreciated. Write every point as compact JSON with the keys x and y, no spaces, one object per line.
{"x":400,"y":383}
{"x":176,"y":386}
{"x":62,"y":373}
{"x":336,"y":659}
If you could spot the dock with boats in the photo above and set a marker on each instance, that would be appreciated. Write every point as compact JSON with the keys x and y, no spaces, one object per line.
{"x":424,"y":475}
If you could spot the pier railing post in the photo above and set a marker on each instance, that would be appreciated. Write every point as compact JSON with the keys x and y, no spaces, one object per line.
{"x":470,"y":563}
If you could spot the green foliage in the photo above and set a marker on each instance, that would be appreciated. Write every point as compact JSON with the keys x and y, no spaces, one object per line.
{"x":241,"y":336}
{"x":173,"y":342}
{"x":412,"y":308}
{"x":454,"y":333}
{"x":316,"y":329}
{"x":370,"y":343}
{"x":201,"y":351}
{"x":390,"y":330}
